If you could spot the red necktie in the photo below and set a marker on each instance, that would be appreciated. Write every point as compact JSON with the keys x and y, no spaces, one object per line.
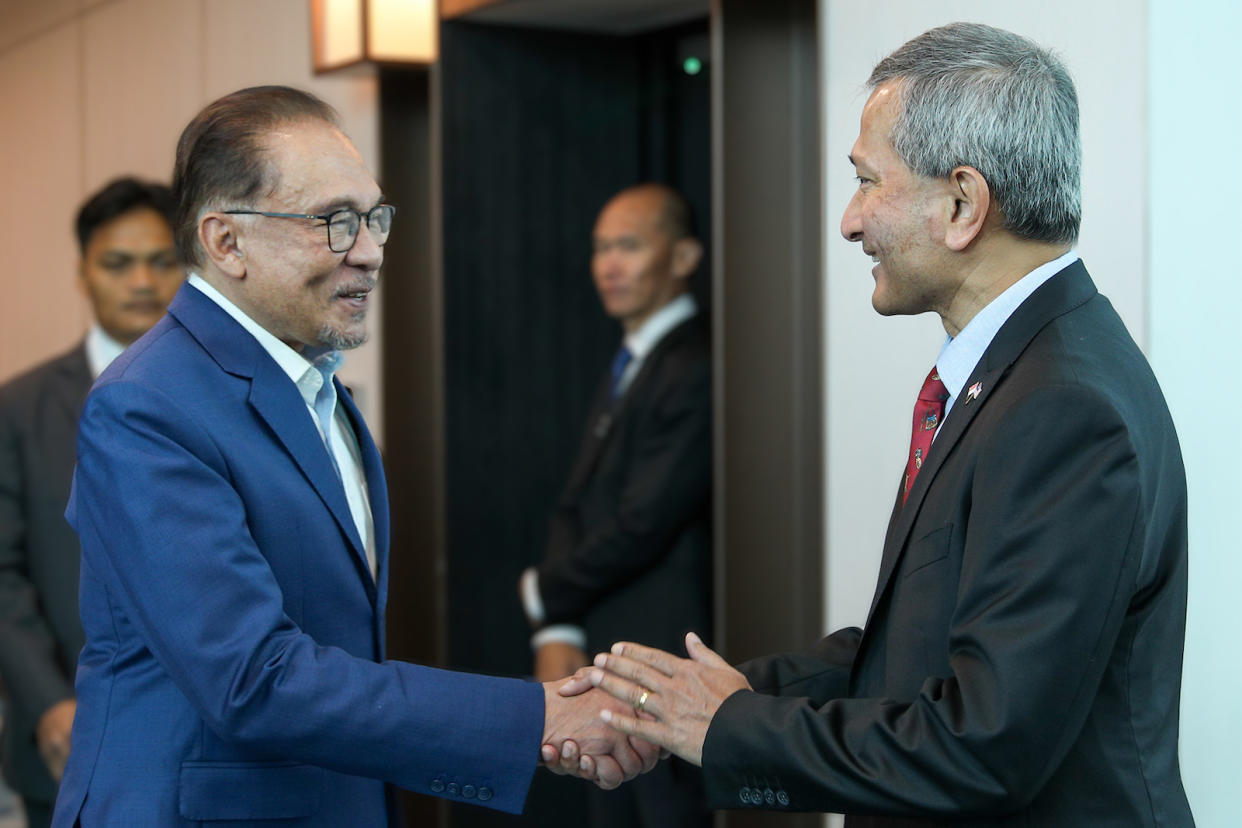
{"x":928,"y":412}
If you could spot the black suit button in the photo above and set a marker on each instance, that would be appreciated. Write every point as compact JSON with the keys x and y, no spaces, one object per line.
{"x":468,"y":791}
{"x":485,"y":793}
{"x":744,"y":794}
{"x":453,"y":790}
{"x":782,"y":798}
{"x":769,"y":796}
{"x":437,"y":786}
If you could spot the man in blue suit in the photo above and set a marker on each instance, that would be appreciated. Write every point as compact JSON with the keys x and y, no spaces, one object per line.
{"x":234,"y":524}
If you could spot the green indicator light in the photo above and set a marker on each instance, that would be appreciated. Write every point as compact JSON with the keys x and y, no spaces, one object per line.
{"x":692,"y":65}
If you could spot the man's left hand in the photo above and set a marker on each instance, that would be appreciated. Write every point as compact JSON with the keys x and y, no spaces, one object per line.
{"x":682,"y":695}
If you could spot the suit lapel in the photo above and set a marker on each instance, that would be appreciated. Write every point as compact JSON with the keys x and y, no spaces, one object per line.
{"x":377,"y":489}
{"x":1065,"y":291}
{"x":72,"y":383}
{"x":605,"y":412}
{"x":275,"y":399}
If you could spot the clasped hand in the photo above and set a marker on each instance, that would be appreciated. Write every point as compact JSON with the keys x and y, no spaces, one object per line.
{"x":661,"y":700}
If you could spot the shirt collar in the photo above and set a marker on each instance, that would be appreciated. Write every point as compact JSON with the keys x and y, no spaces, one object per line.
{"x":643,"y":341}
{"x":307,"y":374}
{"x":962,"y":353}
{"x":101,"y":349}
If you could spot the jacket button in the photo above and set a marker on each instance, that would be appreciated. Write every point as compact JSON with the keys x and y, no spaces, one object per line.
{"x":744,"y":794}
{"x":485,"y":793}
{"x":453,"y":790}
{"x":468,"y":791}
{"x":437,"y":786}
{"x":782,"y":798}
{"x":769,"y":796}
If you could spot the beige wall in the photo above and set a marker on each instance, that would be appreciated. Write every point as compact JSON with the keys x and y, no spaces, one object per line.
{"x":91,"y":89}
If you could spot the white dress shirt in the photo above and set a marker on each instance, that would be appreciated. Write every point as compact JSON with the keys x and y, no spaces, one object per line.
{"x":101,"y":349}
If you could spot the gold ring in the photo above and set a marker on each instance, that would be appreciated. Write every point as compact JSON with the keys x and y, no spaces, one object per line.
{"x":642,"y":700}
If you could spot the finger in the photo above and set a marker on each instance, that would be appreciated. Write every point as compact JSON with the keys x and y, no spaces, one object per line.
{"x":656,"y":733}
{"x":649,"y":753}
{"x":586,"y":767}
{"x":549,"y":754}
{"x":608,"y":773}
{"x":569,"y":758}
{"x":630,"y":761}
{"x":626,"y":691}
{"x":666,"y":663}
{"x":578,"y":683}
{"x":639,"y":674}
{"x":702,"y":653}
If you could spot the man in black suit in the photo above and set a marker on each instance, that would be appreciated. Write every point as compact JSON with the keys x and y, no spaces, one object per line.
{"x":1021,"y":662}
{"x":629,"y":548}
{"x":129,"y":274}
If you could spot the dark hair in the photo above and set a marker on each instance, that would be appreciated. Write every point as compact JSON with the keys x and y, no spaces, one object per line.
{"x":118,"y":197}
{"x":221,"y":160}
{"x":983,"y":97}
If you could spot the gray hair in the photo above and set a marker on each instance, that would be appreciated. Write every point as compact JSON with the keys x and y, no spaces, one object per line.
{"x":977,"y":96}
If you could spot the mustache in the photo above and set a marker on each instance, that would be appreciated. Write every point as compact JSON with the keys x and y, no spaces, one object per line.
{"x":361,"y":286}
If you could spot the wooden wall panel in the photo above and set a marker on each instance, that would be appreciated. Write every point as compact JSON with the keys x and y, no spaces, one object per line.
{"x":40,"y":164}
{"x":142,"y":65}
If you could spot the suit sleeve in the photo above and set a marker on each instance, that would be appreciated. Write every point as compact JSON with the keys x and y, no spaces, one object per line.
{"x":1049,"y":565}
{"x":820,"y":673}
{"x":667,"y":482}
{"x":166,"y":534}
{"x":31,"y":673}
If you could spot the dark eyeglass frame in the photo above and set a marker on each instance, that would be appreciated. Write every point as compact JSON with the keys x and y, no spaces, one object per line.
{"x":375,"y":213}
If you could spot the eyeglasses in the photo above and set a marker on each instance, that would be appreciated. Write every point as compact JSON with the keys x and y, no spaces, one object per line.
{"x":342,"y":224}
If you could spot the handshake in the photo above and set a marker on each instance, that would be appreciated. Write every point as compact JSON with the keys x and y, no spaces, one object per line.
{"x":616,"y":719}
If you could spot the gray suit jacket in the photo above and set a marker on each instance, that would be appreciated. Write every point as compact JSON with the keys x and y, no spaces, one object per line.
{"x":40,"y":634}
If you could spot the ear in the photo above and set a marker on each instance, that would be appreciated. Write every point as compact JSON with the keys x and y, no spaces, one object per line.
{"x":217,"y":234}
{"x":971,"y":201}
{"x":686,"y":255}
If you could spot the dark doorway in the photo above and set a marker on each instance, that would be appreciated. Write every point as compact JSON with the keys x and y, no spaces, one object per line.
{"x":538,"y":129}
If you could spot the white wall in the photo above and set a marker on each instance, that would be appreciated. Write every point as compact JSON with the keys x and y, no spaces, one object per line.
{"x":92,"y":89}
{"x":1176,"y":305}
{"x":1195,"y":244}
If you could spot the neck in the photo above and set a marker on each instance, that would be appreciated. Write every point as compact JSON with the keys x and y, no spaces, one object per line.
{"x":992,"y":270}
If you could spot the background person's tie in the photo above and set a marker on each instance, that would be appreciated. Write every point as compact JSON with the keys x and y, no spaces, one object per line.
{"x":619,"y":363}
{"x":928,"y":412}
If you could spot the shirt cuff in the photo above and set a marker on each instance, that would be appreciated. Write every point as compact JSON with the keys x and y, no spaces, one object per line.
{"x":559,"y":634}
{"x":532,"y":601}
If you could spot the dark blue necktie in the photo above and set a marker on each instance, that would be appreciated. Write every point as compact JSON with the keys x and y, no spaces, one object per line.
{"x":619,"y":363}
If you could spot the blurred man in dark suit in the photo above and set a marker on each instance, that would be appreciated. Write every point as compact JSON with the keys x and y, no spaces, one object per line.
{"x":129,"y":273}
{"x":629,"y":549}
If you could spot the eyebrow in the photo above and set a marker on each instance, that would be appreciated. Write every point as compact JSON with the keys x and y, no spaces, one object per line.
{"x":337,"y":204}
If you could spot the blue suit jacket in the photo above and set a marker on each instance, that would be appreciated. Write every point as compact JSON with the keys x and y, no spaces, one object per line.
{"x":233,"y":667}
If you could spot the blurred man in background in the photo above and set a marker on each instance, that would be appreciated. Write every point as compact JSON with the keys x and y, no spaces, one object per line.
{"x":129,"y":273}
{"x":629,"y":548}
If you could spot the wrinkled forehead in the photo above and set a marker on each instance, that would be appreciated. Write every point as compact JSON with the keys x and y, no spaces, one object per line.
{"x":314,"y":165}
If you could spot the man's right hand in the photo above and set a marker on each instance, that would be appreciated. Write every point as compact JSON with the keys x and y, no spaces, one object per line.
{"x":576,"y":740}
{"x":556,"y":660}
{"x":52,"y":736}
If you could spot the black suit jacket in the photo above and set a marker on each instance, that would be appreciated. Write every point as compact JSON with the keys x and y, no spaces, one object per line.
{"x":1021,"y":662}
{"x":629,"y":549}
{"x":40,"y":634}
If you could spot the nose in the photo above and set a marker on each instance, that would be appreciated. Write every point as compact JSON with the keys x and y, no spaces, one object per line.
{"x":366,"y":252}
{"x":142,"y":277}
{"x":851,"y":221}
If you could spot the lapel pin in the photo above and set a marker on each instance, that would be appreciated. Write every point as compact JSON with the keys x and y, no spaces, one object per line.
{"x":972,"y":392}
